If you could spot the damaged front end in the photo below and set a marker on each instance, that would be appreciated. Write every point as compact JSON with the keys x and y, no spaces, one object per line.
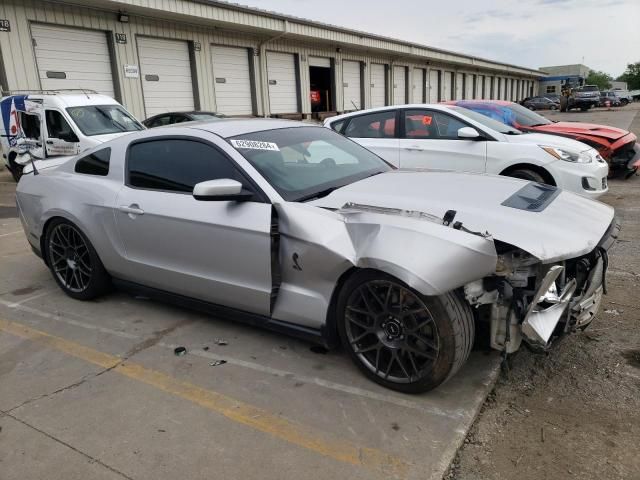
{"x":535,"y":302}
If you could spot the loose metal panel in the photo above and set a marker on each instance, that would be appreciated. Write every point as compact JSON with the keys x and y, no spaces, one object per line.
{"x":72,"y":58}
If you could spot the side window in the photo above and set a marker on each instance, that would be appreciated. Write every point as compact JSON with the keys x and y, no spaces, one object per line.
{"x":30,"y":125}
{"x":176,"y":165}
{"x":160,"y":121}
{"x":337,"y":126}
{"x":179,"y":119}
{"x":95,"y":164}
{"x":431,"y":125}
{"x":373,"y":125}
{"x":58,"y":127}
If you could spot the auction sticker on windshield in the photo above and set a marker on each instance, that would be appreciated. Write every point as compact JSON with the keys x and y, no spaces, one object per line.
{"x":255,"y":145}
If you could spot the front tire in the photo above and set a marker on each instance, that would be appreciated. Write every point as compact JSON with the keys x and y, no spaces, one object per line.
{"x":73,"y":262}
{"x":526,"y":174}
{"x":400,"y":338}
{"x":15,"y":169}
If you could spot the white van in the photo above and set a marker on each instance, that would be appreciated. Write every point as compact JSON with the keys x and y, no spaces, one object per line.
{"x":48,"y":127}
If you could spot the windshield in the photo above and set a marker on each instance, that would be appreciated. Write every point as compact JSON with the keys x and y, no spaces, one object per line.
{"x":303,"y":163}
{"x":486,"y":121}
{"x":103,"y":119}
{"x":206,"y":116}
{"x":525,"y":117}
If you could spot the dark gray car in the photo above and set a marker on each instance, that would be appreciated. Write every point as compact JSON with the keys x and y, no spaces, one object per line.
{"x":541,"y":103}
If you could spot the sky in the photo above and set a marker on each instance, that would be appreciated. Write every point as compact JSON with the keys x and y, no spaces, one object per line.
{"x":604,"y":34}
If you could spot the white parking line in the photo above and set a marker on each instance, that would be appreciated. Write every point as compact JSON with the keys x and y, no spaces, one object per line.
{"x":398,"y":401}
{"x":10,"y":233}
{"x":28,"y":299}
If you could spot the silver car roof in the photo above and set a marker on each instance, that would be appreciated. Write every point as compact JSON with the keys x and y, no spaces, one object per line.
{"x":239,"y":126}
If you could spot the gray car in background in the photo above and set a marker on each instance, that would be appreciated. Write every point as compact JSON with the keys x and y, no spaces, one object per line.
{"x":541,"y":103}
{"x":299,"y":229}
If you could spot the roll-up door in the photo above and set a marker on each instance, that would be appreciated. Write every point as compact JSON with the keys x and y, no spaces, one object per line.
{"x":72,"y":58}
{"x":480,"y":79}
{"x":447,"y":86}
{"x":468,"y":86}
{"x":399,"y":85}
{"x":418,"y":86}
{"x":459,"y":86}
{"x":232,"y":80}
{"x":434,"y":86}
{"x":283,"y":84}
{"x":165,"y":69}
{"x":487,"y":87}
{"x":352,"y":85}
{"x":378,"y":85}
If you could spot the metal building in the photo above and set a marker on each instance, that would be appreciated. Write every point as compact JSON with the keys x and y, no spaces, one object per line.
{"x":158,"y":55}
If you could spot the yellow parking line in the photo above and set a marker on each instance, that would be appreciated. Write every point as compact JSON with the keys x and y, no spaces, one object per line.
{"x":233,"y":409}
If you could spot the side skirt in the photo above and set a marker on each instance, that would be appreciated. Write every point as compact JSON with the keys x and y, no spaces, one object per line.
{"x":225,"y":313}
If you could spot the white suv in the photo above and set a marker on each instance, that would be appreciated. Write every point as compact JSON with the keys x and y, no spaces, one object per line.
{"x":446,"y":137}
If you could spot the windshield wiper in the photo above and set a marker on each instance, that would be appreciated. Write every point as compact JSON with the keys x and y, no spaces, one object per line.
{"x":320,"y":194}
{"x":112,"y":120}
{"x":538,"y":124}
{"x":512,"y":132}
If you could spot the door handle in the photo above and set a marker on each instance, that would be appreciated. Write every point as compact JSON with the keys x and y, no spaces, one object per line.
{"x":414,"y":148}
{"x":49,"y":142}
{"x":131,"y":209}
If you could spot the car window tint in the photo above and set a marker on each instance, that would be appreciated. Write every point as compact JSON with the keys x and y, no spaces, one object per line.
{"x":179,"y":119}
{"x":337,"y":126}
{"x":96,"y":163}
{"x":160,"y":121}
{"x":57,"y":126}
{"x":176,"y":165}
{"x":431,"y":125}
{"x":374,"y":125}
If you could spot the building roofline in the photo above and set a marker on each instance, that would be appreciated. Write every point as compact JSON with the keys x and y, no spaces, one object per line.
{"x":313,"y":23}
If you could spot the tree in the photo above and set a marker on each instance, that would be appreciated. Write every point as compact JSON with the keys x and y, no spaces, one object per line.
{"x":601,"y":79}
{"x":631,"y":76}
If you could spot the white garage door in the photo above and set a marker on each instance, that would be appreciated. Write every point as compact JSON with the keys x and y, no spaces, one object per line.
{"x":418,"y":86}
{"x":468,"y":86}
{"x":283,"y":89}
{"x":378,"y":86}
{"x":399,"y":85}
{"x":232,"y":79}
{"x":352,"y":86}
{"x":72,"y":58}
{"x":447,"y":85}
{"x":487,"y":87}
{"x":434,"y":86}
{"x":458,"y":86}
{"x":165,"y":69}
{"x":479,"y":87}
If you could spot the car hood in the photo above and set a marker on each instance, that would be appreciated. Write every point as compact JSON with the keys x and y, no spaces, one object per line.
{"x":569,"y":226}
{"x":586,"y":129}
{"x":549,"y":140}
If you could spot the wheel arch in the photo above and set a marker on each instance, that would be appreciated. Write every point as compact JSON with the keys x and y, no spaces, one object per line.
{"x":535,"y":168}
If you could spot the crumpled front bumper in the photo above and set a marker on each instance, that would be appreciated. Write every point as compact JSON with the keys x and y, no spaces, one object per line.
{"x":576,"y":308}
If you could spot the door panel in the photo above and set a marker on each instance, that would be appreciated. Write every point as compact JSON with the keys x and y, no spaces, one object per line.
{"x":430,"y":141}
{"x":376,"y":131}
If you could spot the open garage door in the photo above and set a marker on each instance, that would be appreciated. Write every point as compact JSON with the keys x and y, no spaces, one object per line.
{"x":418,"y":87}
{"x":72,"y":58}
{"x":283,"y":84}
{"x":399,"y":85}
{"x":352,"y":85}
{"x":165,"y":69}
{"x":378,"y":85}
{"x":232,"y":77}
{"x":434,"y":86}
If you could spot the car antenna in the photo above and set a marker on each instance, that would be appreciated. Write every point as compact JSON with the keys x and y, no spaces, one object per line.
{"x":354,"y":105}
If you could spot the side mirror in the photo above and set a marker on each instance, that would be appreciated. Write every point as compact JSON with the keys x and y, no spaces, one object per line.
{"x":468,"y":133}
{"x":69,"y":137}
{"x":221,"y":190}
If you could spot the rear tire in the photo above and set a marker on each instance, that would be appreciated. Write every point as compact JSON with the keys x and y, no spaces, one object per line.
{"x":15,"y":169}
{"x":399,"y":338}
{"x":526,"y":174}
{"x":624,"y":102}
{"x":73,"y":261}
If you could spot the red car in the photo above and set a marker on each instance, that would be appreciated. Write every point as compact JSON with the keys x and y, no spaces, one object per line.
{"x":617,"y":146}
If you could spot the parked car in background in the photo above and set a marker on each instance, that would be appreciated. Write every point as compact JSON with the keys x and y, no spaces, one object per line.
{"x":541,"y":103}
{"x":583,"y":97}
{"x":53,"y":125}
{"x":170,"y":118}
{"x":624,"y":95}
{"x":613,"y":98}
{"x":301,"y":230}
{"x":447,"y":137}
{"x":617,"y":146}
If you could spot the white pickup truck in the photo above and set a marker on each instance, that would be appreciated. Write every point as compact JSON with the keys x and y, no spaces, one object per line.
{"x":48,"y":127}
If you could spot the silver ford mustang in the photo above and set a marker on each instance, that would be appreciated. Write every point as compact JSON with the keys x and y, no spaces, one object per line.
{"x":299,"y":229}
